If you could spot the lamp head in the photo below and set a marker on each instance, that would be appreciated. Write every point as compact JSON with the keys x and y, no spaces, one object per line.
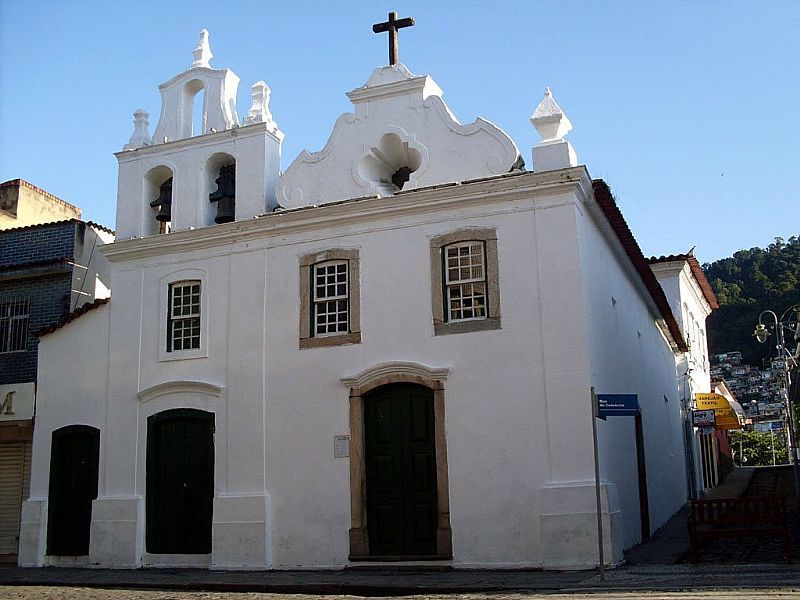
{"x":761,"y":333}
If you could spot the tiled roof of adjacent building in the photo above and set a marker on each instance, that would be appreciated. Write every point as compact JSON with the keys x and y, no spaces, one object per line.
{"x":73,"y":315}
{"x":697,"y":272}
{"x":63,"y":260}
{"x":605,"y":200}
{"x":51,"y":223}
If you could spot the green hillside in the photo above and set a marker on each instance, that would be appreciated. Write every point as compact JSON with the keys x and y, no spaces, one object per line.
{"x":745,"y":284}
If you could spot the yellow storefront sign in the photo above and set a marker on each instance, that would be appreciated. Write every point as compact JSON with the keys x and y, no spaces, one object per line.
{"x":726,"y":417}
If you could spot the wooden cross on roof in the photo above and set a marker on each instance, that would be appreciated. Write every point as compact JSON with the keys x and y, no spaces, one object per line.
{"x":392,"y":25}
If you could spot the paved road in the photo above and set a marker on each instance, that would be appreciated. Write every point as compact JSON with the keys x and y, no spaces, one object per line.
{"x":60,"y":593}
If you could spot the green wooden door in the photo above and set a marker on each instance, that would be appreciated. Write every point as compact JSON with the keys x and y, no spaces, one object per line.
{"x":74,"y":460}
{"x":400,"y":457}
{"x":180,"y":482}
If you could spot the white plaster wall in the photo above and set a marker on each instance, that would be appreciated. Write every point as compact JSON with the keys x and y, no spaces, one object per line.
{"x":517,"y":407}
{"x":71,"y":387}
{"x":359,"y":160}
{"x":71,"y":390}
{"x":495,"y":434}
{"x":629,"y":354}
{"x":257,"y":155}
{"x":283,"y":406}
{"x":693,"y":367}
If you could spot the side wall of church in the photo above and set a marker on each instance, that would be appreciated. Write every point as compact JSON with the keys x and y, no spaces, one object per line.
{"x":631,"y":355}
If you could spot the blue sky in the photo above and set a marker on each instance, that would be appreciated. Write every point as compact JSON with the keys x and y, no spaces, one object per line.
{"x":688,"y":109}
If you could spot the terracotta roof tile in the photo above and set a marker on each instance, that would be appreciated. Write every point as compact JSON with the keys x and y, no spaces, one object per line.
{"x":50,"y":223}
{"x":697,"y":272}
{"x":605,"y":200}
{"x":62,"y":260}
{"x":72,"y":316}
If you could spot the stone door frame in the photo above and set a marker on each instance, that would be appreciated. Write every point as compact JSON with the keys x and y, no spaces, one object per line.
{"x":360,"y":385}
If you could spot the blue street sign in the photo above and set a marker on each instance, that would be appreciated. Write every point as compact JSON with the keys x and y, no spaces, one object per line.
{"x":617,"y":405}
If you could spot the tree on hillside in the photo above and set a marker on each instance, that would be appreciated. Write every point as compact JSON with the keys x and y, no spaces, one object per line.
{"x":747,"y":283}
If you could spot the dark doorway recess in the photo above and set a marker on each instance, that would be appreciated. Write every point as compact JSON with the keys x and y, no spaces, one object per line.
{"x":641,"y":465}
{"x":180,"y":482}
{"x":74,"y":460}
{"x":400,"y":460}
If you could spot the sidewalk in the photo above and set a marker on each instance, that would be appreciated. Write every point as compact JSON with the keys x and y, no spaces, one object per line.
{"x":650,"y":566}
{"x":669,"y":544}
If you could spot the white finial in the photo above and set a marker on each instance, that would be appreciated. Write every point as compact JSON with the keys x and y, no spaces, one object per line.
{"x":141,"y":133}
{"x":552,"y":152}
{"x":202,"y":54}
{"x":549,"y":120}
{"x":259,"y":107}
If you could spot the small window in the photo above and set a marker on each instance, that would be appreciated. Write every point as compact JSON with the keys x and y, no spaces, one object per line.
{"x":14,"y":316}
{"x":331,"y":298}
{"x":183,"y":316}
{"x":465,"y":281}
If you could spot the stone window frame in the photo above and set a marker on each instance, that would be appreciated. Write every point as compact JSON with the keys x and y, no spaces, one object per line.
{"x":307,"y":262}
{"x":487,"y":235}
{"x":165,"y":285}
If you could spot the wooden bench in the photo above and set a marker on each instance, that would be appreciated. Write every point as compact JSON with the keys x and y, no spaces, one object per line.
{"x":738,"y":517}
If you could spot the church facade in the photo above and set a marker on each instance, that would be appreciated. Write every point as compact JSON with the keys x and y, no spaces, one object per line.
{"x":385,"y":353}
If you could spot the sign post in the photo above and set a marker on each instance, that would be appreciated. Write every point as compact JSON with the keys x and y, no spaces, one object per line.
{"x":595,"y":415}
{"x":604,"y":406}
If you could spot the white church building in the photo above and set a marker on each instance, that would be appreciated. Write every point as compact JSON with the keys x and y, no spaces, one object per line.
{"x":384,"y":353}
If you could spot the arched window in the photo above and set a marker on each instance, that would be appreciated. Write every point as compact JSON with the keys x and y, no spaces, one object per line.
{"x":193,"y":109}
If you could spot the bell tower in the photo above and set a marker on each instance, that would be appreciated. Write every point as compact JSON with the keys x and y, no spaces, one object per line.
{"x":201,"y":167}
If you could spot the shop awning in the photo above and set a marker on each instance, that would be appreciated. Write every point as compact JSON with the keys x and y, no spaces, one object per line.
{"x":724,"y":412}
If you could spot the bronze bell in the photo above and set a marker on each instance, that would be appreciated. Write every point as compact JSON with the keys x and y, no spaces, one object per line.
{"x":225,"y":196}
{"x":164,"y":201}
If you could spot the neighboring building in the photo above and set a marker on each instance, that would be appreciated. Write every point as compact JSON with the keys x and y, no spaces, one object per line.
{"x":23,"y":204}
{"x":760,"y":391}
{"x":46,"y":271}
{"x":396,"y":364}
{"x":721,"y":454}
{"x":692,"y":300}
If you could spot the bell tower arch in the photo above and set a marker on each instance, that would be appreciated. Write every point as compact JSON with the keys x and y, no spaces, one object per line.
{"x":199,"y":136}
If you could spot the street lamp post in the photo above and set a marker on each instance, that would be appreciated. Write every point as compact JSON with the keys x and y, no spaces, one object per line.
{"x":788,"y":321}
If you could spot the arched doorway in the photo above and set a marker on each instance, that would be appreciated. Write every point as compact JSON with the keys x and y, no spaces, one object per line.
{"x":74,"y":461}
{"x":400,"y":470}
{"x":180,"y":482}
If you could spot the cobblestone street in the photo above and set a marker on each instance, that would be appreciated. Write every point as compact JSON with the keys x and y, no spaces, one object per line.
{"x":747,"y":567}
{"x":766,"y":481}
{"x":53,"y":593}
